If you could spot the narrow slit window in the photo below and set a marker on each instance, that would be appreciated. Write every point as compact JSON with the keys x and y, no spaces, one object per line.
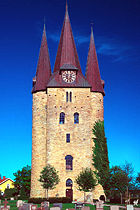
{"x":67,"y":97}
{"x":70,"y":96}
{"x":68,"y":137}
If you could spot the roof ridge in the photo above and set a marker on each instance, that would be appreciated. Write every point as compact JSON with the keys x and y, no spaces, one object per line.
{"x":2,"y":181}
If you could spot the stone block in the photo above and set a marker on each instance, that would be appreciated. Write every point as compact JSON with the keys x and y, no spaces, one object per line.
{"x":57,"y":205}
{"x":114,"y":207}
{"x":55,"y":208}
{"x":85,"y":208}
{"x":130,"y":207}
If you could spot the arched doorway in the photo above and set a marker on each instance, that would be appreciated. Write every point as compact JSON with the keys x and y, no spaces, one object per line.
{"x":69,"y":190}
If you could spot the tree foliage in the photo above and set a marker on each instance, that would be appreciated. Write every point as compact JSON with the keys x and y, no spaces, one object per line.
{"x":129,"y":171}
{"x":138,"y":181}
{"x":49,"y":178}
{"x":138,"y":178}
{"x":86,"y":181}
{"x":100,"y":154}
{"x":118,"y":179}
{"x":121,"y":180}
{"x":22,"y":181}
{"x":8,"y":193}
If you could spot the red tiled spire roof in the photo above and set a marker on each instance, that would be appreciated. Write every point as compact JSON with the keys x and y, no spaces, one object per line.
{"x":43,"y":72}
{"x":66,"y":53}
{"x":92,"y":68}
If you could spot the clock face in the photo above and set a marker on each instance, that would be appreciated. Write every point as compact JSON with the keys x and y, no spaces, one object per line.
{"x":69,"y":76}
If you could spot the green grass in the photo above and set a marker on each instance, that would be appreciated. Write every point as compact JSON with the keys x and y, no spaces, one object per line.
{"x":64,"y":206}
{"x":12,"y":205}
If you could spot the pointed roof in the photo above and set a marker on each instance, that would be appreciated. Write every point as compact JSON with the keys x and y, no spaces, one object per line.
{"x":43,"y":72}
{"x":92,"y":68}
{"x":66,"y":53}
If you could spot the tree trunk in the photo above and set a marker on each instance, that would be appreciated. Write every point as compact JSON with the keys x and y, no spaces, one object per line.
{"x":127,"y":196}
{"x":121,"y":197}
{"x":47,"y":194}
{"x":84,"y":197}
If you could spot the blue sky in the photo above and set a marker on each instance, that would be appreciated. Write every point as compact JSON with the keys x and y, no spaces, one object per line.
{"x":117,"y":40}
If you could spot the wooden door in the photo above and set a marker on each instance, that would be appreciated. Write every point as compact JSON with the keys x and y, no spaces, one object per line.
{"x":69,"y":193}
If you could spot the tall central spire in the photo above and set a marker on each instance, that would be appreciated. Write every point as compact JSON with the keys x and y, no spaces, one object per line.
{"x":66,"y":53}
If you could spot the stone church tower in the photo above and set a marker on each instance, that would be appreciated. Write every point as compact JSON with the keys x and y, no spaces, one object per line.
{"x":65,"y":107}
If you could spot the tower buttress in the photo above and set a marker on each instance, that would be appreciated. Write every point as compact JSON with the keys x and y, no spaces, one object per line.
{"x":39,"y":118}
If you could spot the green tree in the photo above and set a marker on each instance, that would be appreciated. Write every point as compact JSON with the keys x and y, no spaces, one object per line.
{"x":86,"y":181}
{"x":138,"y":178}
{"x":100,"y":155}
{"x":129,"y":171}
{"x":22,"y":181}
{"x":138,"y":181}
{"x":120,"y":180}
{"x":49,"y":178}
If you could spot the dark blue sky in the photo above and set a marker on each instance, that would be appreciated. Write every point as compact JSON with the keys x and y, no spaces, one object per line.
{"x":117,"y":38}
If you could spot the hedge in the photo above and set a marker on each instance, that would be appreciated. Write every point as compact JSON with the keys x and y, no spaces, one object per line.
{"x":51,"y":200}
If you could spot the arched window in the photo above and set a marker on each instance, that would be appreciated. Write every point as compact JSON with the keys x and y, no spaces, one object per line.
{"x":69,"y":160}
{"x":68,"y":183}
{"x":62,"y":118}
{"x":76,"y":118}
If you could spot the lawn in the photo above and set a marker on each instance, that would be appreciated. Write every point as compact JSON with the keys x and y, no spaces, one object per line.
{"x":65,"y":206}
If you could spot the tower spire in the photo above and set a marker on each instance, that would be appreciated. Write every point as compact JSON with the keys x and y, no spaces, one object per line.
{"x":66,"y":53}
{"x":66,"y":6}
{"x":43,"y":72}
{"x":92,"y":68}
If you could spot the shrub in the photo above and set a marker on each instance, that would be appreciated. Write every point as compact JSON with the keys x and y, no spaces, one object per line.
{"x":118,"y":200}
{"x":23,"y":195}
{"x":8,"y":193}
{"x":51,"y":200}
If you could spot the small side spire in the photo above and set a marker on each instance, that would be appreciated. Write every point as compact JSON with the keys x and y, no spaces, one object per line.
{"x":92,"y":68}
{"x":43,"y":72}
{"x":67,"y":53}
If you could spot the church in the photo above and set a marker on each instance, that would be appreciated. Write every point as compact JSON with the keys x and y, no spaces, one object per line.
{"x":66,"y":104}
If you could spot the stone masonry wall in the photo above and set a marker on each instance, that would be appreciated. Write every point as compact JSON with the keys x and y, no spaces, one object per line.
{"x":49,"y":137}
{"x":39,"y":146}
